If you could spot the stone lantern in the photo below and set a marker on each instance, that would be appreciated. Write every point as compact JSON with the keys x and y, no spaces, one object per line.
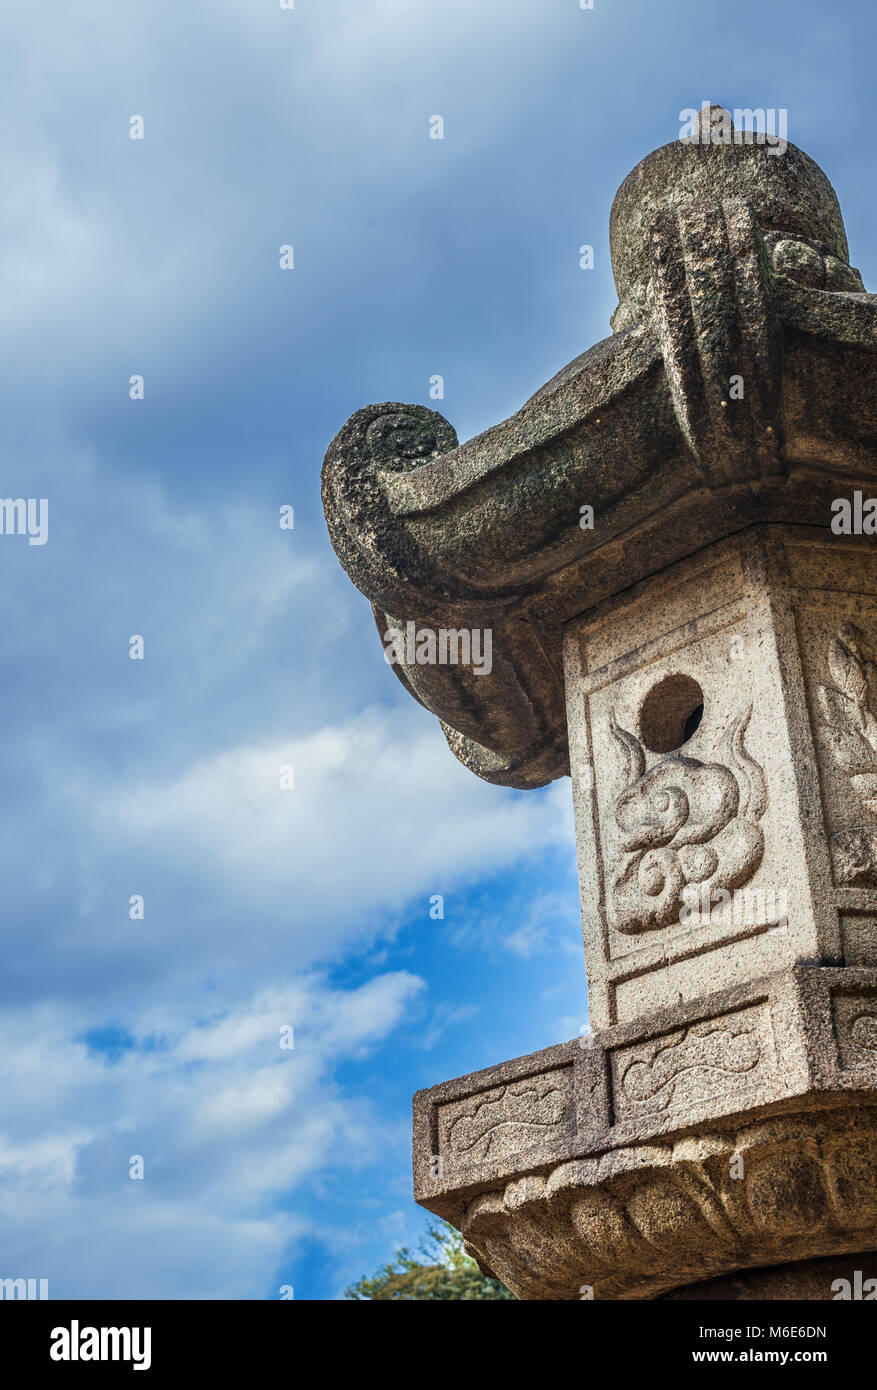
{"x":669,"y":555}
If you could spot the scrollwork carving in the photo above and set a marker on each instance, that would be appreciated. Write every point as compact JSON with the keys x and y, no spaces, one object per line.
{"x":683,"y":822}
{"x":703,"y":1055}
{"x":507,"y":1118}
{"x":406,"y":438}
{"x":849,"y":732}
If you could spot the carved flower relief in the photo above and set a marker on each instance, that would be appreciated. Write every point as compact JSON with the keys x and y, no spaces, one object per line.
{"x":682,"y":822}
{"x":849,"y":732}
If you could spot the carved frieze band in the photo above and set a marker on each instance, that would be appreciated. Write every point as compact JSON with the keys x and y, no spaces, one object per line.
{"x":506,"y":1119}
{"x":686,"y":1067}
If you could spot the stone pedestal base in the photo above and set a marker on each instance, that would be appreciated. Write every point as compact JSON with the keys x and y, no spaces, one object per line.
{"x":711,"y":1141}
{"x":846,"y":1277}
{"x":643,"y":1221}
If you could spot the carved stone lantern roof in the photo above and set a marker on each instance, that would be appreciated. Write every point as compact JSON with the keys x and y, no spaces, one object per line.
{"x":738,"y":388}
{"x":676,"y":620}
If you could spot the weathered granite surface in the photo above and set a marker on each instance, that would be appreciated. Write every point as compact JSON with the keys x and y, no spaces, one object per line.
{"x":730,"y":261}
{"x":752,"y":846}
{"x":738,"y":1130}
{"x":701,"y":660}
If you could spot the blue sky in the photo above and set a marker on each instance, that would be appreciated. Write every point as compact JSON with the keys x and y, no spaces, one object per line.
{"x":310,"y":907}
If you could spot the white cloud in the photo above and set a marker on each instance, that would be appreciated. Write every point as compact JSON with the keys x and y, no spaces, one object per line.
{"x":226,"y":1121}
{"x":380,"y":817}
{"x":161,"y":778}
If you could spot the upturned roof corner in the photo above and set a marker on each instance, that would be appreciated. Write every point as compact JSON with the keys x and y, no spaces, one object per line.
{"x":731,"y":265}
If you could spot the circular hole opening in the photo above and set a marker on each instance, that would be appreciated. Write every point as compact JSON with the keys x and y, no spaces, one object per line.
{"x":670,"y":713}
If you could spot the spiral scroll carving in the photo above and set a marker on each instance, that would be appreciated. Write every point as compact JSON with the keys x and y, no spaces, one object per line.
{"x":403,"y":439}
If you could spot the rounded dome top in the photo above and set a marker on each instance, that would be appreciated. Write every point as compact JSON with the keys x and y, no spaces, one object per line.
{"x":788,"y":192}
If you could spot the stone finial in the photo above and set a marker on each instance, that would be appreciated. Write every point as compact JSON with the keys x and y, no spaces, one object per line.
{"x":790,"y":197}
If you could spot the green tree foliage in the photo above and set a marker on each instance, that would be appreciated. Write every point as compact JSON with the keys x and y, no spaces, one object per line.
{"x":442,"y":1271}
